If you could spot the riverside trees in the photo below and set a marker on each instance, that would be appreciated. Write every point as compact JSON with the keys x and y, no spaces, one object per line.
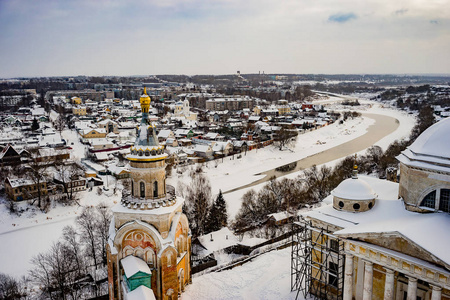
{"x":204,"y":215}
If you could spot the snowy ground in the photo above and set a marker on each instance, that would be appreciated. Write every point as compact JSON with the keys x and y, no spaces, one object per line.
{"x":267,"y":277}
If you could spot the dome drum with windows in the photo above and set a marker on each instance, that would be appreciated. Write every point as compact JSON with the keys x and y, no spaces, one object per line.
{"x":147,"y":167}
{"x":354,"y":194}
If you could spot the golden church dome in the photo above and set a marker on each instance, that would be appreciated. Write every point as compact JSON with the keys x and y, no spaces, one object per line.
{"x":145,"y":101}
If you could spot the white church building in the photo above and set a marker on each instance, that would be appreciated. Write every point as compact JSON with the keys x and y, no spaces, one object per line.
{"x":377,"y":239}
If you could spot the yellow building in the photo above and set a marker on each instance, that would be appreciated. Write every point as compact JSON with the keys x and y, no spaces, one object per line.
{"x":94,"y":133}
{"x":79,"y":110}
{"x":76,"y":100}
{"x":23,"y":189}
{"x":149,"y":245}
{"x":378,"y":239}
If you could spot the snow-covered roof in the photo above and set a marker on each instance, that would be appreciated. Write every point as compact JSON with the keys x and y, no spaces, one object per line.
{"x":202,"y":148}
{"x":211,"y":135}
{"x":218,"y":240}
{"x":99,"y":130}
{"x":435,"y":141}
{"x":20,"y":182}
{"x":354,"y":189}
{"x":132,"y":264}
{"x":280,"y":215}
{"x":141,"y":293}
{"x":390,"y":216}
{"x":431,"y":150}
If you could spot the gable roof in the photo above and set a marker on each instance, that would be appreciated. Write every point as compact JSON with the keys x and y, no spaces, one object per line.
{"x":141,"y":293}
{"x":132,"y":265}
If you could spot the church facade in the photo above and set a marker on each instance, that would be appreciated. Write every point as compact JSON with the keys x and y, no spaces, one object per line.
{"x":149,"y":245}
{"x":382,"y":240}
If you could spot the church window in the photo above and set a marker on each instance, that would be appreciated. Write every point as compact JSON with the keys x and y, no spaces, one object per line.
{"x":169,"y":260}
{"x":332,"y":276}
{"x":444,"y":200}
{"x":147,"y":153}
{"x":153,"y":152}
{"x":155,"y":189}
{"x":429,"y":200}
{"x":142,"y":189}
{"x":334,"y":245}
{"x":370,"y":205}
{"x":341,"y":204}
{"x":140,"y":152}
{"x":132,"y":187}
{"x":356,"y":206}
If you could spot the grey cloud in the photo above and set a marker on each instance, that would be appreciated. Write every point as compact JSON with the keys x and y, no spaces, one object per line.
{"x":401,"y":11}
{"x":342,"y":17}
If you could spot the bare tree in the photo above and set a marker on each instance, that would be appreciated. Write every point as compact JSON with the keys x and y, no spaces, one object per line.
{"x":198,"y":203}
{"x":56,"y":271}
{"x":87,"y":223}
{"x":103,"y":222}
{"x":41,"y":274}
{"x":10,"y":288}
{"x":37,"y":172}
{"x":67,"y":173}
{"x":285,"y":137}
{"x":60,"y":122}
{"x":71,"y":241}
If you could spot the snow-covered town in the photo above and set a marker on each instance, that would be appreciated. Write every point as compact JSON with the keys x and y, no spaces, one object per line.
{"x":237,"y":176}
{"x":189,"y":149}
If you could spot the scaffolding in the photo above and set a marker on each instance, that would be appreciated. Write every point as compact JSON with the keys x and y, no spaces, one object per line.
{"x":317,"y":262}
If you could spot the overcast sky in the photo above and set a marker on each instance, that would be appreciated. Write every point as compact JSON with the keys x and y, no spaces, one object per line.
{"x":141,"y":37}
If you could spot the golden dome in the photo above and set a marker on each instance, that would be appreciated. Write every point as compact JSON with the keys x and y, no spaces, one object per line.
{"x":145,"y":101}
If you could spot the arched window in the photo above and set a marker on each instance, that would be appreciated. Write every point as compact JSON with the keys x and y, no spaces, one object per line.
{"x":132,"y":188}
{"x":429,"y":200}
{"x":444,"y":200}
{"x":155,"y":189}
{"x":142,"y":189}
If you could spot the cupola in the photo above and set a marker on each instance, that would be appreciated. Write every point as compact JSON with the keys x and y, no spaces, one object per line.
{"x":354,"y":194}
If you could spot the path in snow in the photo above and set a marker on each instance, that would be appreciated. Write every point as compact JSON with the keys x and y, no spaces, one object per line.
{"x":384,"y":125}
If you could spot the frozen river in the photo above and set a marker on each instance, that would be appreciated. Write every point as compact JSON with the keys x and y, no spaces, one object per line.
{"x":383,"y":126}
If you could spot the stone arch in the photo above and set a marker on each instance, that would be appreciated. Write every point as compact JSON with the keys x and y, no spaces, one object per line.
{"x":425,"y":192}
{"x":171,"y":294}
{"x":183,"y":221}
{"x":430,"y":189}
{"x":150,"y":257}
{"x":181,"y":280}
{"x":128,"y":250}
{"x":142,"y":234}
{"x":169,"y":257}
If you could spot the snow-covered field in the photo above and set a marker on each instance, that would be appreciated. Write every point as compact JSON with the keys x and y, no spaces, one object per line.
{"x":267,"y":277}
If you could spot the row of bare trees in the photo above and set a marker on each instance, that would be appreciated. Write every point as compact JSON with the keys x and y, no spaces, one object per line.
{"x":70,"y":268}
{"x":313,"y":185}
